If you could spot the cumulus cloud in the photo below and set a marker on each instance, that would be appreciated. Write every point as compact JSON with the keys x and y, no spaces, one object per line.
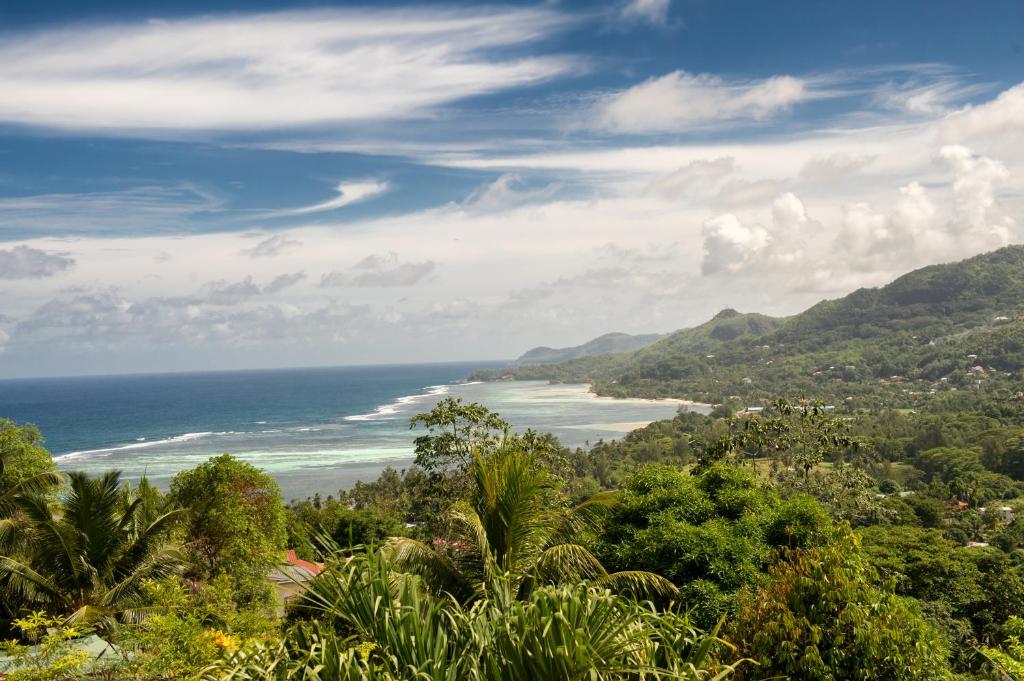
{"x":731,"y":246}
{"x":679,"y":100}
{"x":273,"y":245}
{"x":651,"y":11}
{"x":974,"y":186}
{"x":919,"y":227}
{"x":1004,"y":114}
{"x":25,"y":262}
{"x":348,"y":193}
{"x":275,"y":70}
{"x":380,"y":271}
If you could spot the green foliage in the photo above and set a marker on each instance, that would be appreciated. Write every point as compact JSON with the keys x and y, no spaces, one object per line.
{"x":455,"y":428}
{"x":49,"y":655}
{"x":1008,"y":660}
{"x":516,"y":528}
{"x":821,"y":614}
{"x":607,"y":343}
{"x":312,"y":519}
{"x":25,"y":466}
{"x":234,"y":523}
{"x":398,"y":631}
{"x":715,"y":529}
{"x":188,"y":630}
{"x":22,"y":455}
{"x":976,"y":588}
{"x":88,"y":555}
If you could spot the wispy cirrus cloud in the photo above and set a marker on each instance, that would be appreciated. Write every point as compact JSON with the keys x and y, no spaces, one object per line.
{"x":348,"y":193}
{"x":275,"y":70}
{"x":675,"y":101}
{"x":154,"y":207}
{"x":651,"y":11}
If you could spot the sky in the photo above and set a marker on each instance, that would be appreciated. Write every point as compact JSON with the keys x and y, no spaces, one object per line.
{"x":226,"y":184}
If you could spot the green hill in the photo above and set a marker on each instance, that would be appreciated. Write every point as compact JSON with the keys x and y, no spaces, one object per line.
{"x":933,"y":332}
{"x":608,"y":343}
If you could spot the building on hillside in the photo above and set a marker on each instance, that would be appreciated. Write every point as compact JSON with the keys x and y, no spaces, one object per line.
{"x":291,"y":579}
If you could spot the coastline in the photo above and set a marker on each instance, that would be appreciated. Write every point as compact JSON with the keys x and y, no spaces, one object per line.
{"x":647,"y":400}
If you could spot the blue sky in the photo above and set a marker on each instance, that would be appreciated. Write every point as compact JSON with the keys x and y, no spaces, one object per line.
{"x":227,"y":184}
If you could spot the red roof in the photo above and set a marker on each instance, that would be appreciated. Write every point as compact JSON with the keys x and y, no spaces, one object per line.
{"x":315,"y":568}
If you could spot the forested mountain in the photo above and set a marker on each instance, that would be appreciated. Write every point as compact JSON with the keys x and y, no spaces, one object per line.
{"x":937,"y":330}
{"x":608,"y":343}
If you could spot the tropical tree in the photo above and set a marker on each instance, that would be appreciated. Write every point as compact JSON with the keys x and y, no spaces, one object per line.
{"x":399,"y":630}
{"x":25,"y":467}
{"x":234,"y":524}
{"x":821,"y":614}
{"x":514,"y":527}
{"x":454,"y":429}
{"x":87,"y":555}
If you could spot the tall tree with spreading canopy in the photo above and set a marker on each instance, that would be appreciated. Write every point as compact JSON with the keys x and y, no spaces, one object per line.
{"x":234,"y":523}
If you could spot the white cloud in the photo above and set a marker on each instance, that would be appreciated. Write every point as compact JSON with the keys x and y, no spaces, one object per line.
{"x":785,"y":220}
{"x":283,"y":281}
{"x":696,"y":178}
{"x":974,"y":186}
{"x":348,"y":193}
{"x":651,"y":11}
{"x":269,"y":71}
{"x":273,"y":245}
{"x":380,"y":271}
{"x":24,"y":262}
{"x":508,"y":191}
{"x":153,"y":207}
{"x":870,"y":245}
{"x":679,"y":100}
{"x":926,"y":99}
{"x":731,"y":246}
{"x":1004,"y":114}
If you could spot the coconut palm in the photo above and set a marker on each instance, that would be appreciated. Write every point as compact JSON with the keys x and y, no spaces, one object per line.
{"x":514,"y":528}
{"x":88,"y":554}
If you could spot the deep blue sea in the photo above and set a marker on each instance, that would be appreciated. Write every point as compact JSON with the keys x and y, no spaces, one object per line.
{"x":315,"y":430}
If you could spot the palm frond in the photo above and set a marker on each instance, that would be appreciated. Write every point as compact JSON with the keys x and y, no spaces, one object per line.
{"x":21,"y":580}
{"x":639,"y":584}
{"x":568,"y":563}
{"x":414,"y":557}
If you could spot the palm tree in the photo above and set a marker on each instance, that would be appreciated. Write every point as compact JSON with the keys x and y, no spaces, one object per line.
{"x":513,"y":528}
{"x":88,"y":554}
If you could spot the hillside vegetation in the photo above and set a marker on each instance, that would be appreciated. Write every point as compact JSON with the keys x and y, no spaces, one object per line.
{"x":608,"y":343}
{"x":935,"y":331}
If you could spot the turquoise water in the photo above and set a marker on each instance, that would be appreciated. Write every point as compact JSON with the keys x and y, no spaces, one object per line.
{"x":315,"y":430}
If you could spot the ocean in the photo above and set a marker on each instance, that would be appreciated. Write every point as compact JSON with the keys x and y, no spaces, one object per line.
{"x":316,"y":430}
